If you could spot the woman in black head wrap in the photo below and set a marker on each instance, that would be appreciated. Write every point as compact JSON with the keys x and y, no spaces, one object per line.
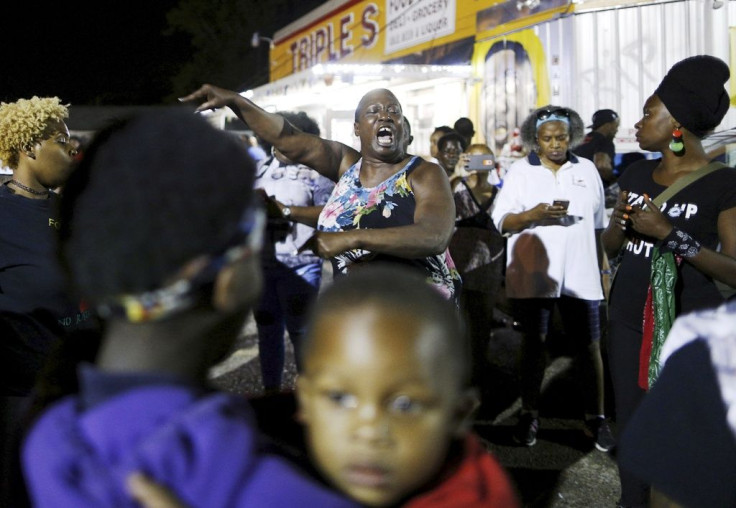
{"x":672,"y":248}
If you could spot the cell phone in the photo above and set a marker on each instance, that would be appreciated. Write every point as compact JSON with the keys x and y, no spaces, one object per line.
{"x":561,"y":202}
{"x":481,"y":163}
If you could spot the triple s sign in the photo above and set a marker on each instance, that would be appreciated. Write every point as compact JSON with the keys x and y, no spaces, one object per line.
{"x":408,"y":23}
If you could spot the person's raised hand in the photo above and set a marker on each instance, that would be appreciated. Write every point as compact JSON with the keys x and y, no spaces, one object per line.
{"x":210,"y":97}
{"x":150,"y":494}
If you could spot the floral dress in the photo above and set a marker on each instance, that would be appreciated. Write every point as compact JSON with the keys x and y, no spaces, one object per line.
{"x":389,"y":204}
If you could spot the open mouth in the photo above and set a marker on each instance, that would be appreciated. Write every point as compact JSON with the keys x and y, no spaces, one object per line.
{"x":385,"y":136}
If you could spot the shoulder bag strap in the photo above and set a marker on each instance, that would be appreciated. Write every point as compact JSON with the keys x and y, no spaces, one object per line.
{"x":685,"y":181}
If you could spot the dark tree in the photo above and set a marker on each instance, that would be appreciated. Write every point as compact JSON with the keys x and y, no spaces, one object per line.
{"x":220,"y":32}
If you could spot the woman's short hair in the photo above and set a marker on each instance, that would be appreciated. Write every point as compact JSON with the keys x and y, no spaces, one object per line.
{"x":528,"y":130}
{"x":152,"y":193}
{"x":450,"y":137}
{"x":445,"y":129}
{"x":26,"y":121}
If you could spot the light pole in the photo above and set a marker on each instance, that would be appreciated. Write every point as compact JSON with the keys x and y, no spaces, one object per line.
{"x":255,"y":41}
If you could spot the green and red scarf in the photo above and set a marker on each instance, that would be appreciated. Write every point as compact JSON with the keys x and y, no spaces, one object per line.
{"x":659,"y":314}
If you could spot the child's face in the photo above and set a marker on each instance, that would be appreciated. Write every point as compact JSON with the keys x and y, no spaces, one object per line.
{"x":380,"y":406}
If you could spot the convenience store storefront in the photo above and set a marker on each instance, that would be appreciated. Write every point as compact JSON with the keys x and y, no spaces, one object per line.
{"x":492,"y":61}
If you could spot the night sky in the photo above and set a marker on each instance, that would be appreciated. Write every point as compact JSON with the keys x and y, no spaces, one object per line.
{"x":112,"y":50}
{"x":78,"y":54}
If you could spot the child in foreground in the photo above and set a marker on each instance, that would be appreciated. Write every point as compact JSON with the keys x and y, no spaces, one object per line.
{"x":385,"y":400}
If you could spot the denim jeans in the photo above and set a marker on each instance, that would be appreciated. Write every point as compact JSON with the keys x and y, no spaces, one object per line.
{"x":287,"y":295}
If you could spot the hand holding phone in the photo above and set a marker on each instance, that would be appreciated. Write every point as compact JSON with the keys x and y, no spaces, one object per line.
{"x":483,"y":162}
{"x":564,"y":203}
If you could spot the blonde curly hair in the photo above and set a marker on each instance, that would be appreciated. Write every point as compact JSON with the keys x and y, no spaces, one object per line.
{"x":24,"y":122}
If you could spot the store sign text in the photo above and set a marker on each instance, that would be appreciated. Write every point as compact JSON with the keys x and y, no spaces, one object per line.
{"x":330,"y":43}
{"x":411,"y":22}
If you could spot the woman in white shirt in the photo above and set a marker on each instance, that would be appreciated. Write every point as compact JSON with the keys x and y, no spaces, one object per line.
{"x":552,"y":207}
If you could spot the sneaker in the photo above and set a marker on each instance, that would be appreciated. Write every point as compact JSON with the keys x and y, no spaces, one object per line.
{"x":526,"y":429}
{"x":600,"y":432}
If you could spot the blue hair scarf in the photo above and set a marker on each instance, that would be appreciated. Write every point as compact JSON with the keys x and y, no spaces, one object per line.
{"x":553,"y":117}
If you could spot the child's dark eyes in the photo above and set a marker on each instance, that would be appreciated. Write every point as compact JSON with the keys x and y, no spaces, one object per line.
{"x":342,"y":399}
{"x":403,"y":404}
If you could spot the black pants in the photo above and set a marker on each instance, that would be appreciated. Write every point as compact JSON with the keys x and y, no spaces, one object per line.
{"x":624,"y":343}
{"x":581,"y":322}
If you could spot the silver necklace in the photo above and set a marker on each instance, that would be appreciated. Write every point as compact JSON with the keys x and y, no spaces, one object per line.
{"x":28,"y":189}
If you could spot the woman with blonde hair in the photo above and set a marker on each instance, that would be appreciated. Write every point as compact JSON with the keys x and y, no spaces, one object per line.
{"x":34,"y":143}
{"x":35,"y":308}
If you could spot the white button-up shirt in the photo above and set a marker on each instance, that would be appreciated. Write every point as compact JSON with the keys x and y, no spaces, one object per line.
{"x":547,"y":261}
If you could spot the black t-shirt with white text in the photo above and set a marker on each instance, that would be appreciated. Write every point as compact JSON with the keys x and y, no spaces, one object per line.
{"x":695,"y":210}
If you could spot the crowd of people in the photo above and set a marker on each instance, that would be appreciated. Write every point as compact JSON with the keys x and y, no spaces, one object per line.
{"x":120,"y":289}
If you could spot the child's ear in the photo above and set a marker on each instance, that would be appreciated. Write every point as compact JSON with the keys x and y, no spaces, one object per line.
{"x":467,"y":403}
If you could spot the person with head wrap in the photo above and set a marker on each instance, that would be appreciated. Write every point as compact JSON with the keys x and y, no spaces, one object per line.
{"x":671,"y":249}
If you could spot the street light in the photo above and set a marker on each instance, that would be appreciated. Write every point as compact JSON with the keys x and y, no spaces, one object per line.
{"x":255,"y":41}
